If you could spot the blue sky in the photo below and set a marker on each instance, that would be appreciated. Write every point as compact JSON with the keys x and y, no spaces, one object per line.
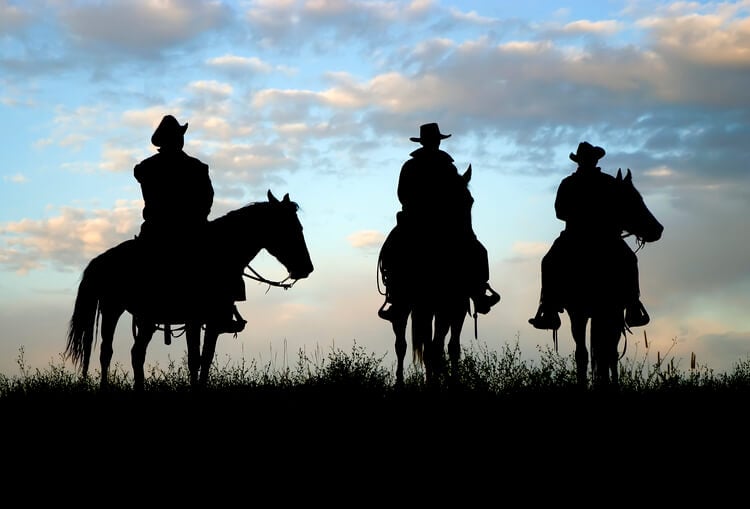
{"x":318,"y":99}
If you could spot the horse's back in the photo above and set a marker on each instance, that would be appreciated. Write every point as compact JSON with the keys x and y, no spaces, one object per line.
{"x":147,"y":281}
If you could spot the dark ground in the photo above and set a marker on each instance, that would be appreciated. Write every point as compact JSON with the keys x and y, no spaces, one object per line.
{"x":329,"y":446}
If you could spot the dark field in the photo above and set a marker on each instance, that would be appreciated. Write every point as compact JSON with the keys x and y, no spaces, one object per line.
{"x":327,"y":433}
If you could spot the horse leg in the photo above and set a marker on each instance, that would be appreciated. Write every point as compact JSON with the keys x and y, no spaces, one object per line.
{"x":443,"y":321}
{"x":606,"y":329}
{"x":399,"y":330}
{"x":210,"y":338}
{"x":421,"y":337}
{"x":144,"y":333}
{"x":110,"y":315}
{"x":193,"y":344}
{"x":614,"y":330}
{"x":578,"y":322}
{"x":454,"y":343}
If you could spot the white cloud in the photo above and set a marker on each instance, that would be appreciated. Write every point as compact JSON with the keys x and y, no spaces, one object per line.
{"x":160,"y":25}
{"x":12,"y":17}
{"x":18,"y":178}
{"x":366,"y":238}
{"x":212,"y":88}
{"x":236,"y":62}
{"x":68,"y":240}
{"x":605,"y":27}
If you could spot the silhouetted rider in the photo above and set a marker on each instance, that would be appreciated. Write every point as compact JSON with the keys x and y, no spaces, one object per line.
{"x":433,"y":198}
{"x":587,"y":200}
{"x":178,"y":196}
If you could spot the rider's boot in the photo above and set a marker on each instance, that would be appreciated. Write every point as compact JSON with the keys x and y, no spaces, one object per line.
{"x":483,"y":301}
{"x":545,"y":318}
{"x":389,"y":311}
{"x":233,"y":325}
{"x":636,"y":314}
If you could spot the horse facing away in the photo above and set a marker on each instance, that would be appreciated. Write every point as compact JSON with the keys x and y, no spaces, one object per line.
{"x":437,"y":306}
{"x":597,"y":294}
{"x":110,"y":285}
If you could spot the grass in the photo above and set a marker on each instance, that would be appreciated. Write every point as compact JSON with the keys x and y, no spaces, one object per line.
{"x":482,"y":372}
{"x":338,"y":415}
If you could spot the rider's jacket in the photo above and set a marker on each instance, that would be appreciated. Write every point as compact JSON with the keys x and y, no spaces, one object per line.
{"x":432,"y":193}
{"x":177,"y":192}
{"x":587,"y":201}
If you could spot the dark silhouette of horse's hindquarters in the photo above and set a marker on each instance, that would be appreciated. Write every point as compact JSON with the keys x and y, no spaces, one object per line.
{"x":429,"y":285}
{"x":113,"y":282}
{"x":593,"y":291}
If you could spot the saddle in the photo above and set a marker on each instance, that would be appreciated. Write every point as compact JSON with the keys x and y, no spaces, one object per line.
{"x":173,"y":291}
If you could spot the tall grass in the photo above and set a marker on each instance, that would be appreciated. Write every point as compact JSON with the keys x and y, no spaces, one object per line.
{"x":481,"y":371}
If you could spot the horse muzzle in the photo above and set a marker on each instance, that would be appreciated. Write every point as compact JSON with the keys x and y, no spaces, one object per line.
{"x":300,"y":274}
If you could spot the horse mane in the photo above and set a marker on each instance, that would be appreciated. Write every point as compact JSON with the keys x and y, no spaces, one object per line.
{"x":232,"y":216}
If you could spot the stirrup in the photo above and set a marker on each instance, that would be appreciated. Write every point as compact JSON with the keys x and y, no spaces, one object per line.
{"x":386,"y":314}
{"x":546,"y":320}
{"x":483,"y":302}
{"x":636,"y":315}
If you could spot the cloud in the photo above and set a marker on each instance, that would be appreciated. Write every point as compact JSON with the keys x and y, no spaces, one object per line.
{"x":212,"y":88}
{"x":323,"y":25}
{"x":66,"y":241}
{"x":366,"y":239}
{"x":12,"y":17}
{"x":718,"y":38}
{"x":522,"y":251}
{"x":142,"y":27}
{"x":240,"y":64}
{"x":18,"y":178}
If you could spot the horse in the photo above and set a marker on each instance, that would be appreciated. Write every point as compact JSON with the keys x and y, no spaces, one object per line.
{"x":437,"y":307}
{"x":113,"y":283}
{"x":596,"y":295}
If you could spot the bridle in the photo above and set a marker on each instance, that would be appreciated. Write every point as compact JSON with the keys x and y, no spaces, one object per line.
{"x":257,"y":277}
{"x":639,"y":242}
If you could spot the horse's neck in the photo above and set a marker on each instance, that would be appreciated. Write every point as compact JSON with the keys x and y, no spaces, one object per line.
{"x":245,"y":234}
{"x":250,"y":254}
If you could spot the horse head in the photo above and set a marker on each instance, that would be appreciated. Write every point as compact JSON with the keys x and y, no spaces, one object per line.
{"x":637,"y":219}
{"x":467,"y":199}
{"x":286,"y":241}
{"x":467,"y":175}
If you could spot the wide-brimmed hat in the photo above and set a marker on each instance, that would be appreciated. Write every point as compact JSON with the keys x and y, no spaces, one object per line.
{"x":430,"y":132}
{"x":168,"y":131}
{"x":587,"y":153}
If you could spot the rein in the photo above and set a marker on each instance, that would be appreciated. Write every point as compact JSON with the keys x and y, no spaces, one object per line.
{"x":639,"y":242}
{"x":257,"y":277}
{"x":170,"y":332}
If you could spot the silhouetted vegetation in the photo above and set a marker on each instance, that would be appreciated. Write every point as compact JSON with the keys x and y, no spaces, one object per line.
{"x":482,"y":372}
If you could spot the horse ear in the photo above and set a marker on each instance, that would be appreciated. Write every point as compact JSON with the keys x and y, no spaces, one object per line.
{"x":285,"y":199}
{"x":467,"y":174}
{"x":271,"y":197}
{"x":628,"y":176}
{"x":619,"y":173}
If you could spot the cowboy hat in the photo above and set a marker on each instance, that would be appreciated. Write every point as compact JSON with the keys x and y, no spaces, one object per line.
{"x":587,"y":153}
{"x":430,"y":132}
{"x":169,"y":130}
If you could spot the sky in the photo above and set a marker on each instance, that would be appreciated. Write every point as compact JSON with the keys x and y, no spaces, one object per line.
{"x":319,"y":98}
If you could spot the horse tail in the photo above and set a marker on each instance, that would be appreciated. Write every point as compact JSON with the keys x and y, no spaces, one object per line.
{"x":417,"y":349}
{"x":83,"y":325}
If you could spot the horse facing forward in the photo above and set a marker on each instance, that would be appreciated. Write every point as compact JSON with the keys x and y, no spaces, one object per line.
{"x":112,"y":283}
{"x":437,"y":305}
{"x":597,"y":294}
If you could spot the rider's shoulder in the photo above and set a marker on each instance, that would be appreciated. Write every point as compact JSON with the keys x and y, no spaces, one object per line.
{"x":194,"y":162}
{"x":423,"y":153}
{"x":144,"y":167}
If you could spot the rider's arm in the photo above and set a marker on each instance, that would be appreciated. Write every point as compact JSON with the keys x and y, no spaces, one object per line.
{"x":562,"y":210}
{"x":208,"y":192}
